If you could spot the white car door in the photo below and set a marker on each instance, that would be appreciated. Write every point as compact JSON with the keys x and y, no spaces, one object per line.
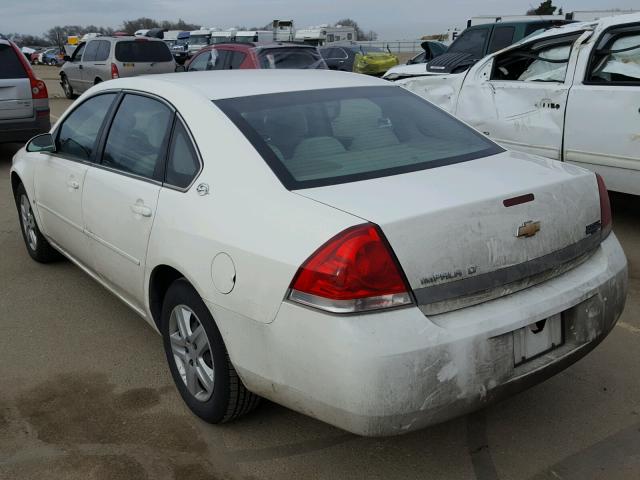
{"x":121,"y":193}
{"x":608,"y":142}
{"x":518,"y":98}
{"x":59,"y":179}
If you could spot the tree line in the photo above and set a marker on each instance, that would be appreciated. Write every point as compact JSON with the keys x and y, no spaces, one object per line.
{"x":58,"y":34}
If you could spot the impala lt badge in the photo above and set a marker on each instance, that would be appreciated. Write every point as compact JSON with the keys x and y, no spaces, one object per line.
{"x":528,"y":229}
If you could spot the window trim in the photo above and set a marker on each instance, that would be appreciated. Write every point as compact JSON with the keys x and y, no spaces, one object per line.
{"x":178,"y":119}
{"x":285,"y":177}
{"x":598,"y":44}
{"x":103,"y":139}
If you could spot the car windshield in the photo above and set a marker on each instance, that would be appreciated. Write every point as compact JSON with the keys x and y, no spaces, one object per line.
{"x":290,"y":58}
{"x":325,"y":137}
{"x":199,"y":40}
{"x":182,"y":41}
{"x":218,"y":39}
{"x":11,"y":65}
{"x":143,"y":51}
{"x":471,"y":41}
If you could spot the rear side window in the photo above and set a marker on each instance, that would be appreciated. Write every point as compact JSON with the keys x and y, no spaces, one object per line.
{"x":236,"y":60}
{"x":183,"y":164}
{"x":10,"y":64}
{"x":142,"y":51}
{"x":79,"y":131}
{"x":471,"y":41}
{"x":91,"y":51}
{"x":502,"y":37}
{"x":103,"y":51}
{"x":279,"y":58}
{"x":325,"y":137}
{"x":137,"y":139}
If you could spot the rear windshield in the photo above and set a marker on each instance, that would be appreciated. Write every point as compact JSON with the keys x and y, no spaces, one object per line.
{"x":291,"y":58}
{"x":325,"y":137}
{"x":142,"y":51}
{"x":10,"y":65}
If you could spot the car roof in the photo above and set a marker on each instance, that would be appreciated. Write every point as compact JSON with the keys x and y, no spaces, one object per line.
{"x":596,"y":25}
{"x":220,"y":84}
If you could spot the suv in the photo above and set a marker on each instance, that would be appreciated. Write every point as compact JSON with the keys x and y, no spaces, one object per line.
{"x":104,"y":58}
{"x":24,"y":101}
{"x":232,"y":56}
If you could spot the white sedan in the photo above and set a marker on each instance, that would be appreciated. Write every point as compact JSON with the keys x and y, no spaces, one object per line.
{"x":326,"y":240}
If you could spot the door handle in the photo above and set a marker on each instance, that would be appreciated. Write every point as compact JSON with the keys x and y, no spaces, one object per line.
{"x":80,"y":67}
{"x":73,"y":184}
{"x":141,"y":209}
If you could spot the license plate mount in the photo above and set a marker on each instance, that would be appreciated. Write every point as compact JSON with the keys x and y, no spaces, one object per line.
{"x":536,"y":339}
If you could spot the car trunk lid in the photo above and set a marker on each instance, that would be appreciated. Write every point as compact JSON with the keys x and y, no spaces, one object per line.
{"x":468,"y":232}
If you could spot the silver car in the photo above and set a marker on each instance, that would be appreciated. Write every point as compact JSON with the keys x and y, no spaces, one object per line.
{"x":24,"y":102}
{"x":105,"y":58}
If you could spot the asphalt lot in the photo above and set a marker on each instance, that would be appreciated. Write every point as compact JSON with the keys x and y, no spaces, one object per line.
{"x":85,"y":394}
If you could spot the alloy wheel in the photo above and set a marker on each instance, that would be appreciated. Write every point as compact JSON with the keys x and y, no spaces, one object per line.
{"x":192,"y":352}
{"x":28,"y":223}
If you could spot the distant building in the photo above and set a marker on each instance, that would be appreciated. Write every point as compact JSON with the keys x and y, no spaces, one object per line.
{"x":324,"y":34}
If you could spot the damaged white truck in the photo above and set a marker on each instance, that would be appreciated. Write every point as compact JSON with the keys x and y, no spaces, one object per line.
{"x":570,"y":93}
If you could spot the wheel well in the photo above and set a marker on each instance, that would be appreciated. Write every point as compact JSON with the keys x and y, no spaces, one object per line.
{"x":97,"y":81}
{"x":161,"y":279}
{"x":15,"y":181}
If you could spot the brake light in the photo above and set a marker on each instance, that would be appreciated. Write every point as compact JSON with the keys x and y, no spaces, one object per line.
{"x":355,"y":271}
{"x":38,"y":88}
{"x":606,"y":221}
{"x":114,"y":71}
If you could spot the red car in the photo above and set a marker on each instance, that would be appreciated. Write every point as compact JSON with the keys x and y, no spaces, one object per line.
{"x":232,"y":56}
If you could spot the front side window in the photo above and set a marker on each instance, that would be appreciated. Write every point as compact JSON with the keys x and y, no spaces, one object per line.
{"x":540,"y":62}
{"x":137,"y":138}
{"x":183,"y":164}
{"x":617,"y":61}
{"x":200,"y":63}
{"x":142,"y":50}
{"x":471,"y":42}
{"x":325,"y":137}
{"x":280,"y":58}
{"x":236,"y":60}
{"x":77,"y":54}
{"x":78,"y":135}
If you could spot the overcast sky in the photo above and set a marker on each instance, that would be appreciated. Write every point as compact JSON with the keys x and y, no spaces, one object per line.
{"x":392,"y":19}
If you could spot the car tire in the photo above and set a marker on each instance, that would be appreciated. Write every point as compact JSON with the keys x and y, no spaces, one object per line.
{"x":198,"y":359}
{"x":37,"y":245}
{"x":68,"y":89}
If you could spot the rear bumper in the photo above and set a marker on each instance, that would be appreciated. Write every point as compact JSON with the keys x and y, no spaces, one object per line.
{"x":396,"y":371}
{"x":22,"y":130}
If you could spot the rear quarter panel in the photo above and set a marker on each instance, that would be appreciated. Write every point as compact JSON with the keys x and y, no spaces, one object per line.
{"x":266,"y":230}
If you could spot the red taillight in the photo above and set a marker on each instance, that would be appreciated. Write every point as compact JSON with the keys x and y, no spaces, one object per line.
{"x":38,"y":88}
{"x":353,"y":272}
{"x":114,"y":71}
{"x":605,"y":207}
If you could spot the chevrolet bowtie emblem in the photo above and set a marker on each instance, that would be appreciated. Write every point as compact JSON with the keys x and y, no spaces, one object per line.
{"x":528,"y":229}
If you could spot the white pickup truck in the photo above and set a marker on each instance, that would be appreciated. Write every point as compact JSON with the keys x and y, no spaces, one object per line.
{"x":571,"y":93}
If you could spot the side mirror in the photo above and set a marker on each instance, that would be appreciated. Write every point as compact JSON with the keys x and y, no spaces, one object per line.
{"x":66,"y":58}
{"x":180,"y":68}
{"x":41,"y":143}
